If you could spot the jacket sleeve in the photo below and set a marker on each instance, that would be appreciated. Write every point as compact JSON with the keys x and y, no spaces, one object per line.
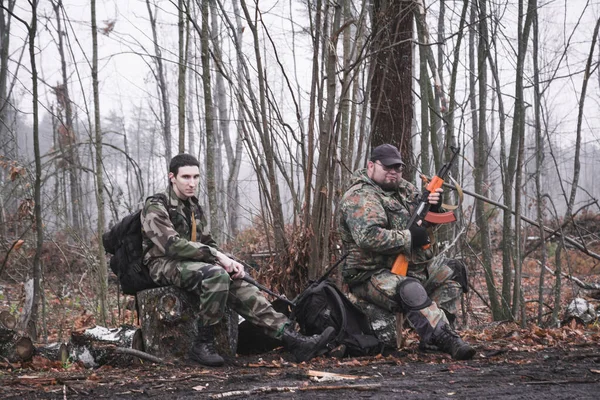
{"x":159,"y":229}
{"x":367,"y":221}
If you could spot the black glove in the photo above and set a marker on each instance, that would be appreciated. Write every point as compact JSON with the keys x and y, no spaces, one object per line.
{"x":436,"y":208}
{"x":419,"y":236}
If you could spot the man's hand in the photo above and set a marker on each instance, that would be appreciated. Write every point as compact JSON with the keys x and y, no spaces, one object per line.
{"x":234,"y":268}
{"x":435,"y":200}
{"x":419,"y":236}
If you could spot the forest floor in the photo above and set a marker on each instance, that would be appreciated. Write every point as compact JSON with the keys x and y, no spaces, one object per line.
{"x":557,"y":364}
{"x":511,"y":362}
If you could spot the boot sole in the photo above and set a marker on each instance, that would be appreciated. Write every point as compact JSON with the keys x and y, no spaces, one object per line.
{"x":217,"y":363}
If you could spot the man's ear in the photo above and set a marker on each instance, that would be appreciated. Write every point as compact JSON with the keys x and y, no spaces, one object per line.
{"x":171,"y":176}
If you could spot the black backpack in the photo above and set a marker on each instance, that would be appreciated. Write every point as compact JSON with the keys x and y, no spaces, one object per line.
{"x":321,"y":305}
{"x":124,"y":242}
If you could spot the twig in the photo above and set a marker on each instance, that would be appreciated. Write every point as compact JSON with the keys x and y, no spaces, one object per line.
{"x":580,"y":283}
{"x":139,"y":354}
{"x":281,"y":389}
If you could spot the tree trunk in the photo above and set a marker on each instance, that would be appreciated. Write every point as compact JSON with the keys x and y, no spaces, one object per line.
{"x":169,"y":323}
{"x":160,"y":76}
{"x":181,"y":85}
{"x":391,"y":89}
{"x":67,"y":135}
{"x":102,"y":274}
{"x":480,"y":149}
{"x":321,"y":211}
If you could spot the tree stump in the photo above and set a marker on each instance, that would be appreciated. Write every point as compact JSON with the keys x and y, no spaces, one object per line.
{"x":14,"y":347}
{"x":99,"y":346}
{"x":168,"y":318}
{"x":387,"y":326}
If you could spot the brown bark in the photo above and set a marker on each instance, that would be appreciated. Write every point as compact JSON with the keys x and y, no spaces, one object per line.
{"x":391,"y":94}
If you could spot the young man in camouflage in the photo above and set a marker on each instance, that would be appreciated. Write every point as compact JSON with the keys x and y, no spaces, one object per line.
{"x":374,"y":212}
{"x":179,"y":250}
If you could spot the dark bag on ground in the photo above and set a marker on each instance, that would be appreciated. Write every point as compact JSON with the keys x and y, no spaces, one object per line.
{"x":321,"y":305}
{"x":124,"y":242}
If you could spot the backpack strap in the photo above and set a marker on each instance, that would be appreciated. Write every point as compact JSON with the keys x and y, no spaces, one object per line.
{"x":340,"y":304}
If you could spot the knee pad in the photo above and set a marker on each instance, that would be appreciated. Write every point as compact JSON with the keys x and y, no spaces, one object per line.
{"x":412,"y":295}
{"x":460,"y":274}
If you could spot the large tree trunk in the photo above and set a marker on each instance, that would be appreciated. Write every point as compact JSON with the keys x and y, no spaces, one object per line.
{"x":168,"y":320}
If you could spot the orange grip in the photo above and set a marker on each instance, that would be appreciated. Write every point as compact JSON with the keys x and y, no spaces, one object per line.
{"x":435,"y":183}
{"x":400,"y":266}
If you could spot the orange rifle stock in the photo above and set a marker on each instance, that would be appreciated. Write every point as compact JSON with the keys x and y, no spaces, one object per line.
{"x":400,"y":266}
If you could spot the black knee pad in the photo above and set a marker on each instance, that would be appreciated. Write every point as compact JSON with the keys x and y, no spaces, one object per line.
{"x":412,"y":295}
{"x":460,"y":274}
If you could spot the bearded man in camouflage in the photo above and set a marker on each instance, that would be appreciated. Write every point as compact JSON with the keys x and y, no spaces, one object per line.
{"x":374,"y":212}
{"x":179,"y":250}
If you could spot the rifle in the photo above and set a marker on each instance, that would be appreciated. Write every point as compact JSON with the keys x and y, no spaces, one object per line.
{"x":400,"y":266}
{"x":293,"y":303}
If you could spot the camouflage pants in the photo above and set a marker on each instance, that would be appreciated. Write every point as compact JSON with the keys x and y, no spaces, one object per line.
{"x":216,"y":290}
{"x":381,"y":290}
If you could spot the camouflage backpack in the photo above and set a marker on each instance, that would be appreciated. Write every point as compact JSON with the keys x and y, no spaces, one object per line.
{"x":124,"y":242}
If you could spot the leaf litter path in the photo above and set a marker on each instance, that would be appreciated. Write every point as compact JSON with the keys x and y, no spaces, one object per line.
{"x":501,"y":369}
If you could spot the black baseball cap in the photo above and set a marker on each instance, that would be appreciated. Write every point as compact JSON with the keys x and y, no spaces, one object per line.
{"x":387,"y":154}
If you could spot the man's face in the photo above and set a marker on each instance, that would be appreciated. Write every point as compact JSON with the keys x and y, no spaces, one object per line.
{"x":185,"y":182}
{"x":387,"y":178}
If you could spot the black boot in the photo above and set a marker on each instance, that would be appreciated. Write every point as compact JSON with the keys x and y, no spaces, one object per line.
{"x":449,"y":342}
{"x":306,"y":347}
{"x":203,"y":350}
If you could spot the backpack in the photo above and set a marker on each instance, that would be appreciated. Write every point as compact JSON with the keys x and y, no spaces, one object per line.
{"x":124,"y":242}
{"x":321,"y":305}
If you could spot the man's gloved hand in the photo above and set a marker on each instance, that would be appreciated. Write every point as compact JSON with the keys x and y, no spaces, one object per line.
{"x":419,"y":236}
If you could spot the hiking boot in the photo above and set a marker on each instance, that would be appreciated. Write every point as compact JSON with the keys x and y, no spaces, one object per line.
{"x":449,"y":342}
{"x":203,"y":350}
{"x":306,"y":347}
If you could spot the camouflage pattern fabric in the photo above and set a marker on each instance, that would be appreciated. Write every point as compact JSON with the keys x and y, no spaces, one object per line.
{"x":372,"y":225}
{"x":173,"y":259}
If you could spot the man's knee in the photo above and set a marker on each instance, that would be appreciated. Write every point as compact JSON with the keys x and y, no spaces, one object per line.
{"x":206,"y":276}
{"x":412,"y":295}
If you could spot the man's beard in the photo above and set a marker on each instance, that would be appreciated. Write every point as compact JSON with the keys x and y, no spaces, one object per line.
{"x":389,"y":186}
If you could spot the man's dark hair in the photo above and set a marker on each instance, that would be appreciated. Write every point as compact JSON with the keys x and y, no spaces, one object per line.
{"x":182,"y":160}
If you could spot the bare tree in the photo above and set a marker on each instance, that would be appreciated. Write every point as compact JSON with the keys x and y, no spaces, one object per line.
{"x":66,"y":132}
{"x":101,"y":267}
{"x":161,"y":81}
{"x":181,"y":84}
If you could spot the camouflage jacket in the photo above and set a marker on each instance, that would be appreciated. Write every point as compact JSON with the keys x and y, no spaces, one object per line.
{"x":372,"y":224}
{"x":167,"y":231}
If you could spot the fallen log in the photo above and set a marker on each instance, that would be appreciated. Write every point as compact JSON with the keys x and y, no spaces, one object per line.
{"x":98,"y":346}
{"x":168,"y":319}
{"x":54,"y":352}
{"x":14,"y":347}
